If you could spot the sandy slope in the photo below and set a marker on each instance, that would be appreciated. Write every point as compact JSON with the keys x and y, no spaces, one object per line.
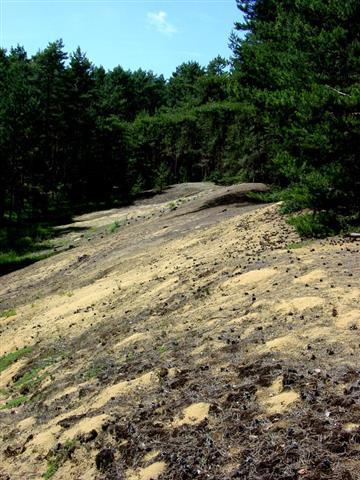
{"x":189,"y":343}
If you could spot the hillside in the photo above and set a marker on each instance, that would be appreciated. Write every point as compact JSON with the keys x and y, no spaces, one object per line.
{"x":190,"y":335}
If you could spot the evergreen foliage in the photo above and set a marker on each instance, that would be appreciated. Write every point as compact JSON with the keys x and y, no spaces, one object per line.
{"x":284,"y":110}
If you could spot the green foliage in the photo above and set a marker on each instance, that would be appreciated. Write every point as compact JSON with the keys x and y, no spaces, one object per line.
{"x":162,"y":349}
{"x":8,"y":313}
{"x":285,"y":112}
{"x":23,"y":238}
{"x":15,"y":402}
{"x":11,"y":260}
{"x":301,"y":74}
{"x":9,"y":358}
{"x":137,"y":187}
{"x":310,"y":225}
{"x":227,"y":178}
{"x":172,"y":206}
{"x":30,"y":380}
{"x":52,"y":468}
{"x":274,"y":195}
{"x":94,"y":370}
{"x":114,"y":227}
{"x":58,"y":457}
{"x":162,"y":176}
{"x":22,"y":245}
{"x":296,"y":245}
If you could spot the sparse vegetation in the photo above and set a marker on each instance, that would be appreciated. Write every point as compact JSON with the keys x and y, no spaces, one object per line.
{"x":67,"y":293}
{"x":94,"y":371}
{"x":8,"y":313}
{"x":172,"y":206}
{"x":15,"y":402}
{"x":295,"y":245}
{"x":29,"y":381}
{"x":58,"y":457}
{"x":9,"y":358}
{"x":116,"y":225}
{"x":162,"y":349}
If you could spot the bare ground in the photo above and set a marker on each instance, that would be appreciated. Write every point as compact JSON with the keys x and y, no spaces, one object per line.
{"x":186,"y":340}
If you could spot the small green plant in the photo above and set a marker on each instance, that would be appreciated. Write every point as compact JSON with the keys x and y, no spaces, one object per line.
{"x":114,"y":227}
{"x":161,"y":178}
{"x":94,"y":371}
{"x":138,"y":186}
{"x":172,"y":206}
{"x":52,"y":468}
{"x":8,"y":313}
{"x":28,"y":382}
{"x":163,"y":349}
{"x":67,"y":293}
{"x":295,"y":245}
{"x":15,"y":402}
{"x":10,"y":358}
{"x":59,"y":457}
{"x":129,"y":356}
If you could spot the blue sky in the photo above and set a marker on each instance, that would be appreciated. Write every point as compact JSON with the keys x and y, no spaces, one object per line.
{"x":154,"y":35}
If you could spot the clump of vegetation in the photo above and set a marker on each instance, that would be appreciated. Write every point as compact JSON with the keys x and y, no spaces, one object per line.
{"x":30,"y":380}
{"x":9,"y":358}
{"x":27,"y":382}
{"x":8,"y":313}
{"x":15,"y":402}
{"x":295,"y":245}
{"x":274,"y":195}
{"x":13,"y":260}
{"x":162,"y":176}
{"x":312,"y":225}
{"x":58,"y":457}
{"x":114,"y":227}
{"x":94,"y":371}
{"x":22,"y":245}
{"x":162,"y":349}
{"x":172,"y":206}
{"x":67,"y":293}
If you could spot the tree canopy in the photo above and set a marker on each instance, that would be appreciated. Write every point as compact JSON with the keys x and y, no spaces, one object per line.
{"x":284,"y":109}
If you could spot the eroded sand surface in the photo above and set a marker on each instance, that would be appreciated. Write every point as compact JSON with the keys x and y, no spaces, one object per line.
{"x":188,"y":342}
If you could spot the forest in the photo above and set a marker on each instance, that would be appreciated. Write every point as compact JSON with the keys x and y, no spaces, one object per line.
{"x":283,"y":109}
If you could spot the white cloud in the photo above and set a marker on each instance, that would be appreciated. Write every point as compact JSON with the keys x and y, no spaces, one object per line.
{"x":160,"y":22}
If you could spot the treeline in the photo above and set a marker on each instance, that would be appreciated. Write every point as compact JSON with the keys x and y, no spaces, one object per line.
{"x":284,"y":110}
{"x":73,"y":133}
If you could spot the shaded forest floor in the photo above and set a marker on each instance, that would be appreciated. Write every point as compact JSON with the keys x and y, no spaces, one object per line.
{"x":191,"y":335}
